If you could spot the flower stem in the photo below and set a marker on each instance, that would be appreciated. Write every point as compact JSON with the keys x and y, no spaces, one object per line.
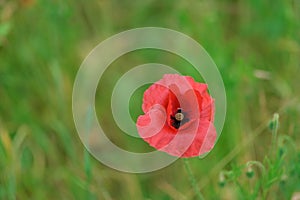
{"x":259,"y":164}
{"x":274,"y":134}
{"x":192,"y":179}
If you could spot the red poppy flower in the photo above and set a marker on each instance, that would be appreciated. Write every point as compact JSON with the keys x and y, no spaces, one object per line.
{"x":179,"y":115}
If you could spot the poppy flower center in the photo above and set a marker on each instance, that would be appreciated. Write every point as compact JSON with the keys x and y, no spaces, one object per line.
{"x":179,"y":116}
{"x":178,"y":119}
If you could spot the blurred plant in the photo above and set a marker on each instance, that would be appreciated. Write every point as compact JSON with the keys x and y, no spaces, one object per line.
{"x":192,"y":179}
{"x":7,"y":9}
{"x":272,"y":170}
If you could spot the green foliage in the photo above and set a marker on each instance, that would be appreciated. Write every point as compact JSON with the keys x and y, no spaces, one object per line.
{"x":271,"y":173}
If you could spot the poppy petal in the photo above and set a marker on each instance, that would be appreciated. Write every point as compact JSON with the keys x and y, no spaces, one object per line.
{"x":152,"y":122}
{"x":155,"y":94}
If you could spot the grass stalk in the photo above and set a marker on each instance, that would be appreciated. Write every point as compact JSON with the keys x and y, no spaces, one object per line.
{"x":192,"y":179}
{"x":274,"y":128}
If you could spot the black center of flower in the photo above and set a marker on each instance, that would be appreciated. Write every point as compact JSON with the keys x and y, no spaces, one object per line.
{"x":178,"y":119}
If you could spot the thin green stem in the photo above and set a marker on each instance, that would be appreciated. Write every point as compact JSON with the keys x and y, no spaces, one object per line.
{"x":259,"y":164}
{"x":274,"y":134}
{"x":192,"y":179}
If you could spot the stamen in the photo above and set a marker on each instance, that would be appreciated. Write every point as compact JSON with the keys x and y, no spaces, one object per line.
{"x":179,"y":116}
{"x":178,"y":119}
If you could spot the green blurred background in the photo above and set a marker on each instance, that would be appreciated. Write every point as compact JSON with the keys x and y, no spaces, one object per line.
{"x":255,"y":44}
